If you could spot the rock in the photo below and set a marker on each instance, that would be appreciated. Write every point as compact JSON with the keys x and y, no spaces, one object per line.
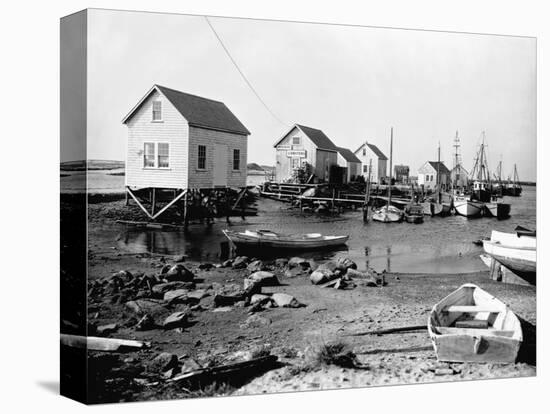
{"x":298,"y":262}
{"x":330,"y":266}
{"x":107,"y":329}
{"x":264,"y":278}
{"x":162,"y":363}
{"x":281,"y":262}
{"x":142,"y":306}
{"x":146,"y":323}
{"x":294,"y":272}
{"x":228,"y":300}
{"x":190,"y":365}
{"x":179,"y":272}
{"x":178,"y":295}
{"x":240,"y":262}
{"x":172,"y":372}
{"x":197,"y":294}
{"x":124,"y":275}
{"x":258,"y":298}
{"x":176,"y":320}
{"x":345,"y":263}
{"x":255,"y":321}
{"x":161,"y":288}
{"x":165,"y":269}
{"x":444,"y":371}
{"x":368,"y":278}
{"x":206,"y":266}
{"x":321,"y":276}
{"x":223,"y":309}
{"x":256,"y":266}
{"x":227,"y":263}
{"x":284,"y":300}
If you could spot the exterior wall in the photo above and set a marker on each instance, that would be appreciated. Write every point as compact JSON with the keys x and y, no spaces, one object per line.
{"x":427,"y":176}
{"x":462,"y":179}
{"x":173,"y":129}
{"x":354,"y":170}
{"x":283,"y":166}
{"x":324,"y":160}
{"x":379,"y":167}
{"x":204,"y":178}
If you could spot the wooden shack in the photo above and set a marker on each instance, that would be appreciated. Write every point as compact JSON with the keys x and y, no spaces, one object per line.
{"x":370,"y":154}
{"x":352,"y":164}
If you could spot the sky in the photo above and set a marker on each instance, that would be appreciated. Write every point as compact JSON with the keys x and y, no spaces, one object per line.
{"x":354,"y":83}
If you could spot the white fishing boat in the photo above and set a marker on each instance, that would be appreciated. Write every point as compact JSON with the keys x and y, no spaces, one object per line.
{"x":519,"y":254}
{"x":523,"y":238}
{"x":269,"y":239}
{"x":388,"y":214}
{"x":466,"y":207}
{"x":471,"y":325}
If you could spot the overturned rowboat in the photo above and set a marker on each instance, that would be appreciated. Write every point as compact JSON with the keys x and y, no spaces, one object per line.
{"x":470,"y":325}
{"x":270,"y":239}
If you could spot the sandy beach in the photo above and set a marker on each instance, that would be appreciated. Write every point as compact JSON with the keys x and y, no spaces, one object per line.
{"x":214,"y":334}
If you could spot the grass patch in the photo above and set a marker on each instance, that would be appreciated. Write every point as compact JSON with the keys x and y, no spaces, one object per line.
{"x":336,"y":353}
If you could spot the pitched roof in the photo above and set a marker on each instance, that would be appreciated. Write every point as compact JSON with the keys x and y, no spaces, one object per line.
{"x":348,"y":155}
{"x":199,"y":111}
{"x":442,"y":168}
{"x":374,"y":149}
{"x":317,"y":136}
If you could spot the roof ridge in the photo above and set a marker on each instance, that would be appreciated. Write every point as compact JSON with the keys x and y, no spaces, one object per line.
{"x":188,"y":94}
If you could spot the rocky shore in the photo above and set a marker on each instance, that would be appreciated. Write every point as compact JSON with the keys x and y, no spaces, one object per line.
{"x":294,"y":319}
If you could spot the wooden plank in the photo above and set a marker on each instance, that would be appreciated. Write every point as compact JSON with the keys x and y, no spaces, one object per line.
{"x":472,"y":309}
{"x":138,"y":203}
{"x":474,"y":324}
{"x":101,"y":344}
{"x":169,"y":204}
{"x":391,"y":330}
{"x":446,"y":330}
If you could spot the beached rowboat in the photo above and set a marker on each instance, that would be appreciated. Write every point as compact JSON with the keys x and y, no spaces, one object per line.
{"x":266,"y":238}
{"x":521,"y":259}
{"x":470,"y":325}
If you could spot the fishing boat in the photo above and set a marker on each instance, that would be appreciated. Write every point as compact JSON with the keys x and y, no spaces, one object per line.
{"x":388,"y":213}
{"x":270,"y":239}
{"x":471,"y":325}
{"x":513,"y":189}
{"x":497,"y":209}
{"x":482,"y":188}
{"x":466,"y":207}
{"x":517,"y":253}
{"x":414,"y":213}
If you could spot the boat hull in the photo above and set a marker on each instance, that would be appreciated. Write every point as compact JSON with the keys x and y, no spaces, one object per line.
{"x":498,"y":342}
{"x":414,"y":218}
{"x":498,"y":210}
{"x":388,"y":215}
{"x":520,"y":260}
{"x":468,"y":208}
{"x":244,"y":241}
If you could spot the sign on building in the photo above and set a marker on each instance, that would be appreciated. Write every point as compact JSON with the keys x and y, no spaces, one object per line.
{"x":296,"y":153}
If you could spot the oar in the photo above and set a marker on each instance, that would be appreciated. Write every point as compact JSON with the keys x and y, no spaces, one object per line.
{"x":390,"y":330}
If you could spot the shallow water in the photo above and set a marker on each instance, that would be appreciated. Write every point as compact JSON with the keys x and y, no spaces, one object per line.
{"x":439,"y":245}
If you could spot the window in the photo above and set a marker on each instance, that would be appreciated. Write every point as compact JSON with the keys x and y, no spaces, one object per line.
{"x":364,"y":151}
{"x":295,"y":163}
{"x":162,"y":155}
{"x":365,"y":168}
{"x":149,"y":155}
{"x":202,"y":157}
{"x":295,"y":140}
{"x":157,"y":113}
{"x":236,"y":159}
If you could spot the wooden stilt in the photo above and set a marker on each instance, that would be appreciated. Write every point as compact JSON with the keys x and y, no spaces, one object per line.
{"x":185,"y":218}
{"x":126,"y":201}
{"x":138,"y":202}
{"x":153,"y":201}
{"x":184,"y":193}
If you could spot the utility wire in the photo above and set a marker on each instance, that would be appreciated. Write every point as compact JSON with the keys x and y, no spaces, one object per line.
{"x":242,"y":74}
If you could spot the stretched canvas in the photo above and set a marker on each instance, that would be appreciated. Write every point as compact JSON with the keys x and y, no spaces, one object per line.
{"x":258,"y":206}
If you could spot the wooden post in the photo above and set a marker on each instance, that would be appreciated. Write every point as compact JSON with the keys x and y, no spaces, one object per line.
{"x":185,"y":218}
{"x":126,"y":201}
{"x":153,"y":201}
{"x":227,"y":205}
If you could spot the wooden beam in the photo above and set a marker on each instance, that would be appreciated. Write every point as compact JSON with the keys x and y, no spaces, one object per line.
{"x":241,"y":194}
{"x":170,"y":204}
{"x":472,"y":309}
{"x":138,"y":202}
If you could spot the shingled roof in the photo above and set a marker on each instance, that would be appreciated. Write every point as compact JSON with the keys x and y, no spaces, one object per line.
{"x":348,"y":155}
{"x":442,"y":168}
{"x":198,"y":111}
{"x":374,"y":149}
{"x":317,"y":136}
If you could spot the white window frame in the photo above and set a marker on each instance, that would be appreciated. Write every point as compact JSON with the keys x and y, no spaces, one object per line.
{"x":153,"y":111}
{"x":205,"y":157}
{"x":239,"y":159}
{"x":155,"y":165}
{"x":297,"y":137}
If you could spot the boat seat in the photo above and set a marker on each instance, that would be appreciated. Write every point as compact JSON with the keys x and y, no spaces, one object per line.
{"x":471,"y":309}
{"x":446,"y":330}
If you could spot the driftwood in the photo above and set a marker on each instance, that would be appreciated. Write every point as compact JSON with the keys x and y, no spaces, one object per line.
{"x":95,"y":343}
{"x":390,"y":330}
{"x":233,"y":371}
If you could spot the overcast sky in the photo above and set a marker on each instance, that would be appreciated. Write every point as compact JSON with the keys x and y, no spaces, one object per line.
{"x":354,"y":83}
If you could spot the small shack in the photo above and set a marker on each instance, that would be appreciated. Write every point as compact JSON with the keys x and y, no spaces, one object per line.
{"x":427,"y":175}
{"x":348,"y":160}
{"x":182,"y":142}
{"x":305,"y":148}
{"x":370,"y":154}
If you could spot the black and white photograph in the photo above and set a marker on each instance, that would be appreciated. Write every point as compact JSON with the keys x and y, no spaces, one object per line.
{"x":254,"y":206}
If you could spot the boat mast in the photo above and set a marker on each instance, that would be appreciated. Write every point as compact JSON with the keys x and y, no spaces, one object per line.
{"x":457,"y":163}
{"x":438,"y":171}
{"x":391,"y":152}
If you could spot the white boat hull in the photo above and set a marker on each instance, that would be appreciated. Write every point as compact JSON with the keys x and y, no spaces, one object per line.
{"x":468,"y":208}
{"x":258,"y":240}
{"x":388,"y":215}
{"x":498,"y":341}
{"x":520,"y":260}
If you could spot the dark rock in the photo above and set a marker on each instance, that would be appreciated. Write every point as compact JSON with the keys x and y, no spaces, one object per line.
{"x":176,"y":320}
{"x":240,"y":262}
{"x":180,"y":273}
{"x":165,"y":269}
{"x":206,"y":266}
{"x":281,"y":262}
{"x":179,"y":259}
{"x":107,"y":329}
{"x":228,"y":300}
{"x":162,"y":363}
{"x":178,"y":295}
{"x":146,"y":323}
{"x":256,"y":266}
{"x":298,"y":262}
{"x":321,"y":276}
{"x":124,"y":275}
{"x":160,"y":289}
{"x":263,"y":279}
{"x":284,"y":300}
{"x":227,"y":263}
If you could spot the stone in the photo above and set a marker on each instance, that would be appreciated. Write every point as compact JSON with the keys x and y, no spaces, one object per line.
{"x":206,"y":266}
{"x":197,"y":294}
{"x":321,"y":276}
{"x":180,"y":258}
{"x":145,"y":323}
{"x":162,"y":363}
{"x":176,"y":320}
{"x":344,"y":263}
{"x":240,"y":262}
{"x":298,"y":262}
{"x":284,"y":300}
{"x":228,"y":300}
{"x":190,"y":365}
{"x":223,"y":309}
{"x":263,"y":278}
{"x":259,"y":298}
{"x":179,"y":272}
{"x":178,"y":295}
{"x":255,"y":321}
{"x":281,"y":262}
{"x":294,"y":272}
{"x":161,"y":288}
{"x":107,"y":329}
{"x":227,"y":263}
{"x":142,"y":306}
{"x":256,"y":266}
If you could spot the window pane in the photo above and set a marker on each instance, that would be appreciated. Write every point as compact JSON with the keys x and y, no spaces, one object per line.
{"x":149,"y":154}
{"x":202,"y":157}
{"x":157,"y":110}
{"x":295,"y":140}
{"x":236,"y":159}
{"x":163,"y":149}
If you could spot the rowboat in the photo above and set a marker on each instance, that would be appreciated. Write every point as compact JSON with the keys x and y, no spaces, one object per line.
{"x":388,"y":214}
{"x":519,"y":254}
{"x":471,"y":325}
{"x":267,"y":239}
{"x":414,"y":213}
{"x":467,"y":208}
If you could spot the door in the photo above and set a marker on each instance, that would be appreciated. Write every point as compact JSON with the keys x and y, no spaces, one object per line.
{"x":220,"y":165}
